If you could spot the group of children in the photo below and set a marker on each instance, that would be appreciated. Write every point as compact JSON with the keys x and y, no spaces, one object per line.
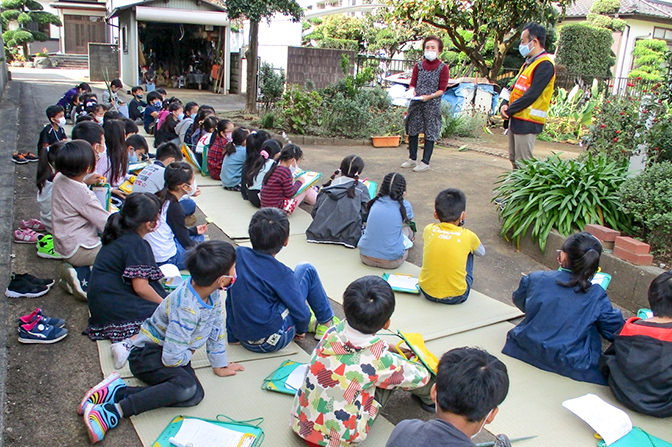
{"x":268,"y":304}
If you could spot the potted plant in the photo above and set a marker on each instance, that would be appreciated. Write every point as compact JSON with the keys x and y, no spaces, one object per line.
{"x":42,"y":59}
{"x":390,"y":125}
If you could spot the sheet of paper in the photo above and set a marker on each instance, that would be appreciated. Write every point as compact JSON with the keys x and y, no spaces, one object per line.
{"x":101,"y":195}
{"x":296,"y":378}
{"x":170,"y":271}
{"x":204,"y":434}
{"x":407,"y":243}
{"x":403,"y":282}
{"x":608,"y":421}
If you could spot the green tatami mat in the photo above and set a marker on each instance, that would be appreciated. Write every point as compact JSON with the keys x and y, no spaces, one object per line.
{"x":232,"y":214}
{"x":533,"y":405}
{"x":236,"y":353}
{"x":241,"y":397}
{"x":206,"y":180}
{"x":339,"y":266}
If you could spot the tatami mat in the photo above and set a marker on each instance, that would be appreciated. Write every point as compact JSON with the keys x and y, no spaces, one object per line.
{"x":232,"y":214}
{"x":339,"y":266}
{"x":236,"y":353}
{"x":533,"y":405}
{"x":241,"y":397}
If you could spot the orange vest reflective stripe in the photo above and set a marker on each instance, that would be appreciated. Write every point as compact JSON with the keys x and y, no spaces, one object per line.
{"x":537,"y":111}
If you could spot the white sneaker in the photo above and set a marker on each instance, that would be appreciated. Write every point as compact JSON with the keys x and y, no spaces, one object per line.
{"x":421,"y":167}
{"x":120,"y":353}
{"x":409,"y":164}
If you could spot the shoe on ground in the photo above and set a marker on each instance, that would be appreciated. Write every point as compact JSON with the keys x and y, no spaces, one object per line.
{"x":22,"y":288}
{"x":102,"y":393}
{"x":30,"y":156}
{"x":430,"y":408}
{"x":409,"y":164}
{"x":38,"y":315}
{"x":422,"y":166}
{"x":321,"y":329}
{"x":38,"y":332}
{"x":70,"y":282}
{"x":33,"y":224}
{"x":25,"y":236}
{"x":19,"y":159}
{"x":99,"y":419}
{"x":35,"y":280}
{"x":45,"y":247}
{"x":120,"y":352}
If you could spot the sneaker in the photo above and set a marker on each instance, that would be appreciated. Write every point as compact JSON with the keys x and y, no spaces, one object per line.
{"x":38,"y":332}
{"x":19,"y":159}
{"x":22,"y":288}
{"x":68,"y":276}
{"x":30,"y":156}
{"x":25,"y":236}
{"x":120,"y":353}
{"x":422,"y":166}
{"x":99,"y":419}
{"x":103,"y":393}
{"x":409,"y":164}
{"x":33,"y":224}
{"x":45,"y":247}
{"x":38,"y":315}
{"x":322,"y":328}
{"x":35,"y":280}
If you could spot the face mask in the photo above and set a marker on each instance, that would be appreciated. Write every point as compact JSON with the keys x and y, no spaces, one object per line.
{"x":524,"y":49}
{"x":430,"y":55}
{"x":193,"y":116}
{"x":157,"y":104}
{"x":99,"y":120}
{"x":192,"y":189}
{"x":132,"y":157}
{"x":294,"y":168}
{"x":138,"y":96}
{"x":482,"y":425}
{"x":61,"y":121}
{"x":180,"y":117}
{"x":228,"y":136}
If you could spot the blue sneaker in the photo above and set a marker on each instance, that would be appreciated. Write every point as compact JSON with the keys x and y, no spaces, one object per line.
{"x":99,"y":419}
{"x":39,"y":332}
{"x":37,"y":314}
{"x":103,"y":393}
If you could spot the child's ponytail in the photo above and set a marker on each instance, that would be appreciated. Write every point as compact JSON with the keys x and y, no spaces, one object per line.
{"x":393,"y":185}
{"x":238,"y":138}
{"x":269,"y":149}
{"x":46,"y":161}
{"x":583,"y":252}
{"x":331,"y":179}
{"x":176,"y":173}
{"x":139,"y":208}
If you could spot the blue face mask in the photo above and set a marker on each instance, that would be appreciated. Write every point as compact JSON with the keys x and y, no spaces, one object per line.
{"x":524,"y":49}
{"x":157,"y":104}
{"x":193,"y":116}
{"x":138,"y":96}
{"x":180,"y":117}
{"x":132,"y":157}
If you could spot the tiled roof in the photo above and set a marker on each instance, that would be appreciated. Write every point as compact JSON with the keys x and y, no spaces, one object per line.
{"x":653,"y":8}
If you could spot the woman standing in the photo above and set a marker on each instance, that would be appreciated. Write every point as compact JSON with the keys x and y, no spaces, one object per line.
{"x":428,"y":84}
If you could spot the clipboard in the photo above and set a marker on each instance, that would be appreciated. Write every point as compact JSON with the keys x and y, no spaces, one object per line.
{"x":254,"y":434}
{"x":372,"y":186}
{"x":637,"y":438}
{"x":417,"y":344}
{"x":309,"y":179}
{"x":277,"y":380}
{"x":104,"y":195}
{"x":416,"y":290}
{"x":137,"y":167}
{"x":189,"y":156}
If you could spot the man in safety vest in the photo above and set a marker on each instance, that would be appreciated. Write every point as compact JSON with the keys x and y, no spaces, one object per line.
{"x":527,"y":106}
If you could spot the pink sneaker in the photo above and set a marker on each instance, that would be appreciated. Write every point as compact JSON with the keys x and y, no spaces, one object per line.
{"x":25,"y":236}
{"x":33,"y":224}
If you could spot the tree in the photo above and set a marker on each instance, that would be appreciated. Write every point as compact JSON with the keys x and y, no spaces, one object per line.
{"x":586,"y":61}
{"x":255,"y":11}
{"x":499,"y":20}
{"x":339,"y":32}
{"x":29,"y":15}
{"x":649,"y":60}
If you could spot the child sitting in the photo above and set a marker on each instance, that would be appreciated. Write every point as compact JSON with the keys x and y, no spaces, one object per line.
{"x":150,"y":179}
{"x":190,"y":110}
{"x":166,"y":128}
{"x":45,"y":177}
{"x":117,"y":156}
{"x":234,"y":157}
{"x":353,"y":372}
{"x":565,"y":314}
{"x":131,"y":128}
{"x":387,"y":237}
{"x":278,"y":188}
{"x":172,"y":238}
{"x":220,"y":138}
{"x":137,"y":106}
{"x":266,"y":307}
{"x":470,"y":386}
{"x":151,"y":111}
{"x":94,"y":135}
{"x":448,"y":256}
{"x":52,"y":132}
{"x":253,"y":144}
{"x":110,"y":97}
{"x":137,"y":148}
{"x":77,"y":215}
{"x":190,"y":317}
{"x":124,"y":288}
{"x":208,"y":127}
{"x":340,"y":211}
{"x":254,"y":177}
{"x":638,"y":363}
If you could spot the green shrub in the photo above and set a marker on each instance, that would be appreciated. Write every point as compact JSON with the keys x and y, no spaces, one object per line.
{"x":585,"y":51}
{"x":563,"y":194}
{"x":605,"y":6}
{"x":647,"y":199}
{"x":649,"y":60}
{"x":298,"y":108}
{"x":271,"y":84}
{"x":268,"y":120}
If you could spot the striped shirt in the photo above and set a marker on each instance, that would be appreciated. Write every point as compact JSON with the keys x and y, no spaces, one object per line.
{"x":280,"y":186}
{"x":184,"y":322}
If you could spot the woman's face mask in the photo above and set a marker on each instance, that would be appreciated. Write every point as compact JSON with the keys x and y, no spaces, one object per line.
{"x":132,"y":157}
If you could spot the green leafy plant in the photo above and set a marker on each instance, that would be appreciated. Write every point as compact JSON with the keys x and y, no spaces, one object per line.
{"x":582,"y":60}
{"x":271,"y":84}
{"x":647,"y":199}
{"x":571,"y":114}
{"x":268,"y":120}
{"x":563,"y":194}
{"x":28,"y":16}
{"x":298,"y":108}
{"x":649,"y":60}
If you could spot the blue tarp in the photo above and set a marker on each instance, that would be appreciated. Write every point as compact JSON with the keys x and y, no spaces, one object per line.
{"x":466,"y":91}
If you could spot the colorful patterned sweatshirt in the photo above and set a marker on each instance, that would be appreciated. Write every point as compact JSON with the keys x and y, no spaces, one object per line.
{"x":335,"y":406}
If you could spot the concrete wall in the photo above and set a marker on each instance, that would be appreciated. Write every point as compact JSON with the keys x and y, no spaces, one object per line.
{"x":321,"y":66}
{"x":3,"y":66}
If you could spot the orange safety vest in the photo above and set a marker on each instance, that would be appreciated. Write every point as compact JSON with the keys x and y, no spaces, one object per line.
{"x":537,"y":111}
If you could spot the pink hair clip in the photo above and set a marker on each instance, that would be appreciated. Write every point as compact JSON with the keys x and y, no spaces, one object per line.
{"x":264,"y":154}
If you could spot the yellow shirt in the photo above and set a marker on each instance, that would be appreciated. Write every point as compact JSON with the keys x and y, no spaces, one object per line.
{"x":444,"y":259}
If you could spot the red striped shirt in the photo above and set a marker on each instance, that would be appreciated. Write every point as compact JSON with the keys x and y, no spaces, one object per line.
{"x":280,"y":186}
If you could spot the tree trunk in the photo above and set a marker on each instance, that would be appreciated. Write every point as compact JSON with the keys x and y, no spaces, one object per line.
{"x":252,"y":67}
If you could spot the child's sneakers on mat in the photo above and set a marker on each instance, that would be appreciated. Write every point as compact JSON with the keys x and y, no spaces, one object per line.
{"x":45,"y":247}
{"x":39,"y":332}
{"x":99,"y":419}
{"x":34,"y":224}
{"x":120,"y":352}
{"x":320,"y":329}
{"x":69,"y":280}
{"x":25,"y":236}
{"x":38,"y":315}
{"x":103,"y":393}
{"x":22,"y":287}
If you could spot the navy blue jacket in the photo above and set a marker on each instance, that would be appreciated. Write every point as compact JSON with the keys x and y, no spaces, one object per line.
{"x":264,"y":289}
{"x":562,"y":327}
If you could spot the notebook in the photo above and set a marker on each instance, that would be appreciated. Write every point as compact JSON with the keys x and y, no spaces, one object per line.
{"x":137,"y":167}
{"x":287,"y":379}
{"x":198,"y":432}
{"x":402,"y":283}
{"x":189,"y":156}
{"x":104,"y":195}
{"x":372,"y":186}
{"x":309,"y":178}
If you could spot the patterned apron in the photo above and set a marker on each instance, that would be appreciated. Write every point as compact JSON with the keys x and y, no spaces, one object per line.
{"x":425,"y":117}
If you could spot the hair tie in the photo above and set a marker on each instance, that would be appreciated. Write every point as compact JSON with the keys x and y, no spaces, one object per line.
{"x":392,"y":179}
{"x":264,"y":154}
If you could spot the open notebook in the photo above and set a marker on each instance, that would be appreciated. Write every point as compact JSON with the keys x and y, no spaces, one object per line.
{"x":309,"y":178}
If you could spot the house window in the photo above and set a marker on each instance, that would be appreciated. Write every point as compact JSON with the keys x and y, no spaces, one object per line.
{"x":663,"y":34}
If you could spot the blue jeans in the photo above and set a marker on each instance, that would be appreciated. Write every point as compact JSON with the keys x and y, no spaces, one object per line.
{"x":188,"y":206}
{"x":178,"y":258}
{"x":311,"y":290}
{"x":462,"y":298}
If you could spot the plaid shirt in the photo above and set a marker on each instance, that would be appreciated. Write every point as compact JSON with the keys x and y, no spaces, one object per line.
{"x":216,"y":156}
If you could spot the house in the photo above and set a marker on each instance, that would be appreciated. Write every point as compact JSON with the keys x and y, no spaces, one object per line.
{"x":645,"y":19}
{"x":83,"y":22}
